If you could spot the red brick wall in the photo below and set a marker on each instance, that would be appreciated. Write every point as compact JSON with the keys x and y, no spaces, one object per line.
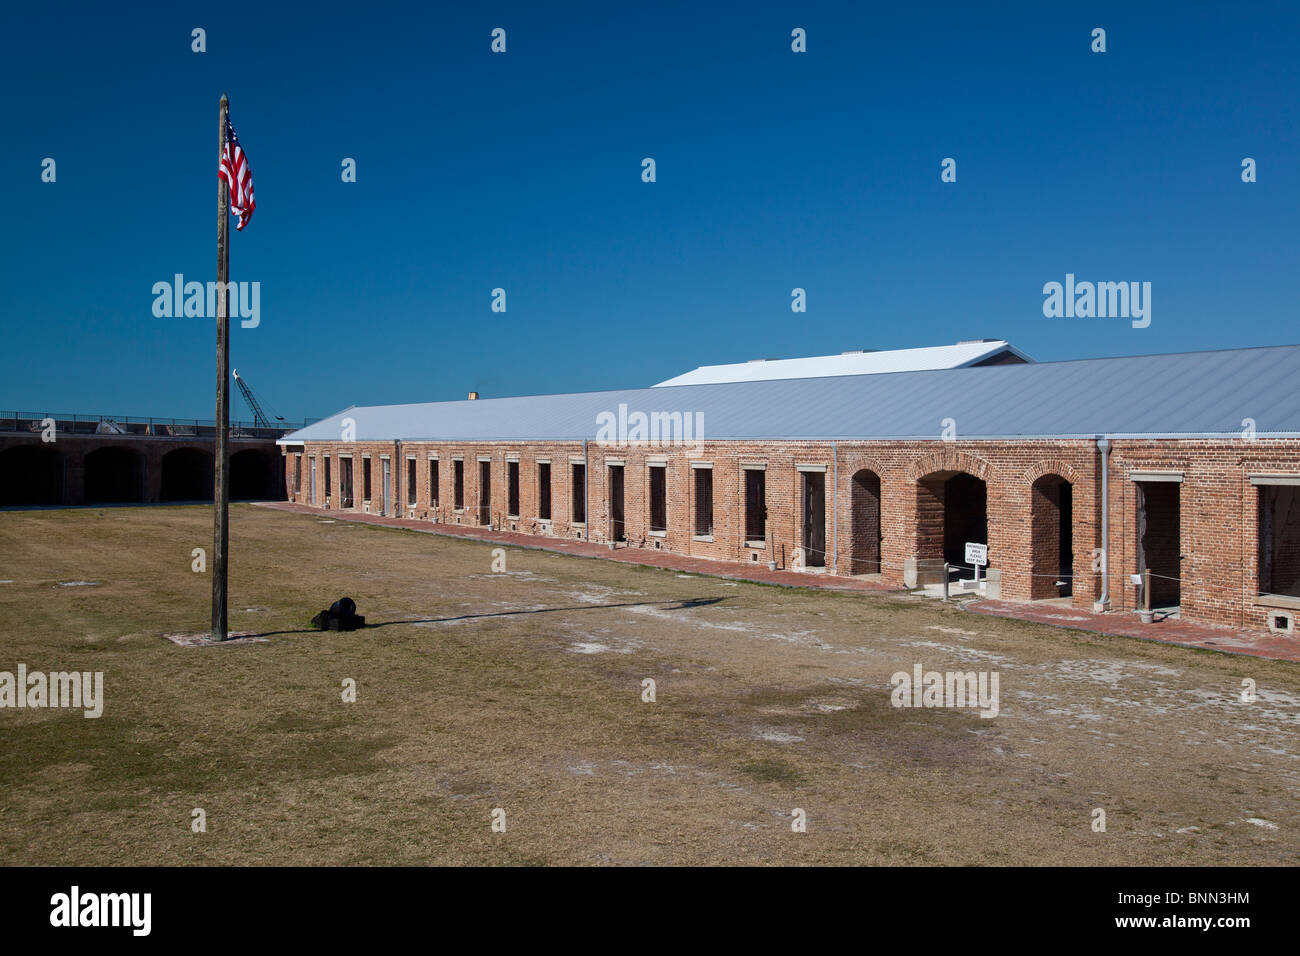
{"x":1219,"y":506}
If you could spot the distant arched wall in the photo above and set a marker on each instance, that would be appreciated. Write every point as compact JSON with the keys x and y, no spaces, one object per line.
{"x":114,"y":474}
{"x":187,"y":475}
{"x":254,"y":476}
{"x":31,"y":475}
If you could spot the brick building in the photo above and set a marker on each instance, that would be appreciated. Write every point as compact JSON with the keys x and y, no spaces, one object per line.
{"x":1077,"y":475}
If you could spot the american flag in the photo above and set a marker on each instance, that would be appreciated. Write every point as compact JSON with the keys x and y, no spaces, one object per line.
{"x":238,"y":177}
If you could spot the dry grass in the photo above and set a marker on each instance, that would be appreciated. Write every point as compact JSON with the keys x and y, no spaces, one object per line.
{"x":523,"y":691}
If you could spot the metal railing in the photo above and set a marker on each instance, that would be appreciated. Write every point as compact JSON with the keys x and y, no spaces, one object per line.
{"x":80,"y":424}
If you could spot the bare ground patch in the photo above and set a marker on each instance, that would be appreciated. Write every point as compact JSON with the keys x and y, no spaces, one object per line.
{"x":523,"y":691}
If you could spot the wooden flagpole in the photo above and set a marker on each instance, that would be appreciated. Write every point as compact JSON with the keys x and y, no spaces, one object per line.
{"x":221,"y":484}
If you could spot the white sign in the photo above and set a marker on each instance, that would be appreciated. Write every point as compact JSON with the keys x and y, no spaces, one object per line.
{"x":977,"y":554}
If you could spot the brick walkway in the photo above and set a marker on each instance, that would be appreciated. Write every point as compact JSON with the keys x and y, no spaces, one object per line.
{"x":1120,"y":624}
{"x":1212,"y":637}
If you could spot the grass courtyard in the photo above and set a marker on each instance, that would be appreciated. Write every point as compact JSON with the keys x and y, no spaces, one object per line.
{"x":522,"y":690}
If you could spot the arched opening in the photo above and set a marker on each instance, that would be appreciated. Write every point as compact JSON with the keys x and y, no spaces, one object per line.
{"x":31,"y":475}
{"x":951,"y":512}
{"x":252,"y":476}
{"x":186,"y":475}
{"x":864,"y":523}
{"x":114,"y":475}
{"x":1051,"y":538}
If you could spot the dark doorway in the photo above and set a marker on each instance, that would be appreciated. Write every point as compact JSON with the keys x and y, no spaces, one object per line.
{"x":1065,"y":541}
{"x":485,"y":492}
{"x":578,"y":494}
{"x":347,"y":499}
{"x":658,"y":498}
{"x":755,"y":504}
{"x":252,"y":477}
{"x":386,"y":467}
{"x":31,"y":475}
{"x":951,"y":511}
{"x":814,"y":519}
{"x":114,"y":475}
{"x":864,"y":543}
{"x":965,"y":517}
{"x":1052,"y":538}
{"x":1279,"y":540}
{"x":512,"y":489}
{"x":1159,"y":546}
{"x":617,"y":529}
{"x":703,"y":480}
{"x":186,"y":475}
{"x":544,"y":490}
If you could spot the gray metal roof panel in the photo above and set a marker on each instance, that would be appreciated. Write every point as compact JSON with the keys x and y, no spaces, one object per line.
{"x":1184,"y":393}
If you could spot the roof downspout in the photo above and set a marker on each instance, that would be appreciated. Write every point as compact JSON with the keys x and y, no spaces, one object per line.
{"x":1103,"y":604}
{"x":835,"y":506}
{"x":586,"y":499}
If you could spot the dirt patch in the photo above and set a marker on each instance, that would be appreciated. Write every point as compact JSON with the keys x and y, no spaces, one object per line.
{"x":524,"y":691}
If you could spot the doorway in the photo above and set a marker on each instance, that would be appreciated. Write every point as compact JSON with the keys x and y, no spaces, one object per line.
{"x":1159,"y":544}
{"x":617,"y":527}
{"x":1051,"y":538}
{"x":345,"y":483}
{"x":814,"y":519}
{"x":485,"y":492}
{"x":388,"y":485}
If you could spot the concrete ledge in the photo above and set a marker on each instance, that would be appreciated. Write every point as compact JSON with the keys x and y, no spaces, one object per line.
{"x":919,"y":572}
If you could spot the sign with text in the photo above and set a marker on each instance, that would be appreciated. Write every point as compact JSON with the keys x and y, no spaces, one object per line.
{"x":977,"y":554}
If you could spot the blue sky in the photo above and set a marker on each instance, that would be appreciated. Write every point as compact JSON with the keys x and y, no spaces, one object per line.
{"x":522,"y":170}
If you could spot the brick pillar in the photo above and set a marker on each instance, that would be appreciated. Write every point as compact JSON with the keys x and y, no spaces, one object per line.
{"x":74,"y":477}
{"x":153,"y":475}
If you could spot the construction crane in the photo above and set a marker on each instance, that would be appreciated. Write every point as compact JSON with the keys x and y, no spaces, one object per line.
{"x":259,"y":417}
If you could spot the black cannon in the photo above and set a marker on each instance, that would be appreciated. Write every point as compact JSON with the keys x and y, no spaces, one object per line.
{"x":340,"y":616}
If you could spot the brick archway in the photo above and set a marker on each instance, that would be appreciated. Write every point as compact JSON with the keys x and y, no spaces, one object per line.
{"x":186,"y":474}
{"x":865,"y":532}
{"x":31,"y":474}
{"x":115,"y":474}
{"x":1051,"y":467}
{"x":950,"y":459}
{"x":1051,"y":536}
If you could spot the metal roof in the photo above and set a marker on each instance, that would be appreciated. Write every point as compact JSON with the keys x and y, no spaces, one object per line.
{"x":1191,"y":393}
{"x":849,"y":363}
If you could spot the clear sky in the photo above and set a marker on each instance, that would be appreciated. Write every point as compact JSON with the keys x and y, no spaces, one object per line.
{"x":523,"y":170}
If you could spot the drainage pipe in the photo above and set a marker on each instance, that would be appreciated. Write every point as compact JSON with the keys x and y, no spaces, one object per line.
{"x":1103,"y":445}
{"x":835,"y":505}
{"x":586,"y":500}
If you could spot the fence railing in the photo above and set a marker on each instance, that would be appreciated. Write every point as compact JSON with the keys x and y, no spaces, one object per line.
{"x":81,"y":424}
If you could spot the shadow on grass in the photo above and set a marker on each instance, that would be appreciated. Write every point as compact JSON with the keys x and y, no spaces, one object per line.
{"x":671,"y":606}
